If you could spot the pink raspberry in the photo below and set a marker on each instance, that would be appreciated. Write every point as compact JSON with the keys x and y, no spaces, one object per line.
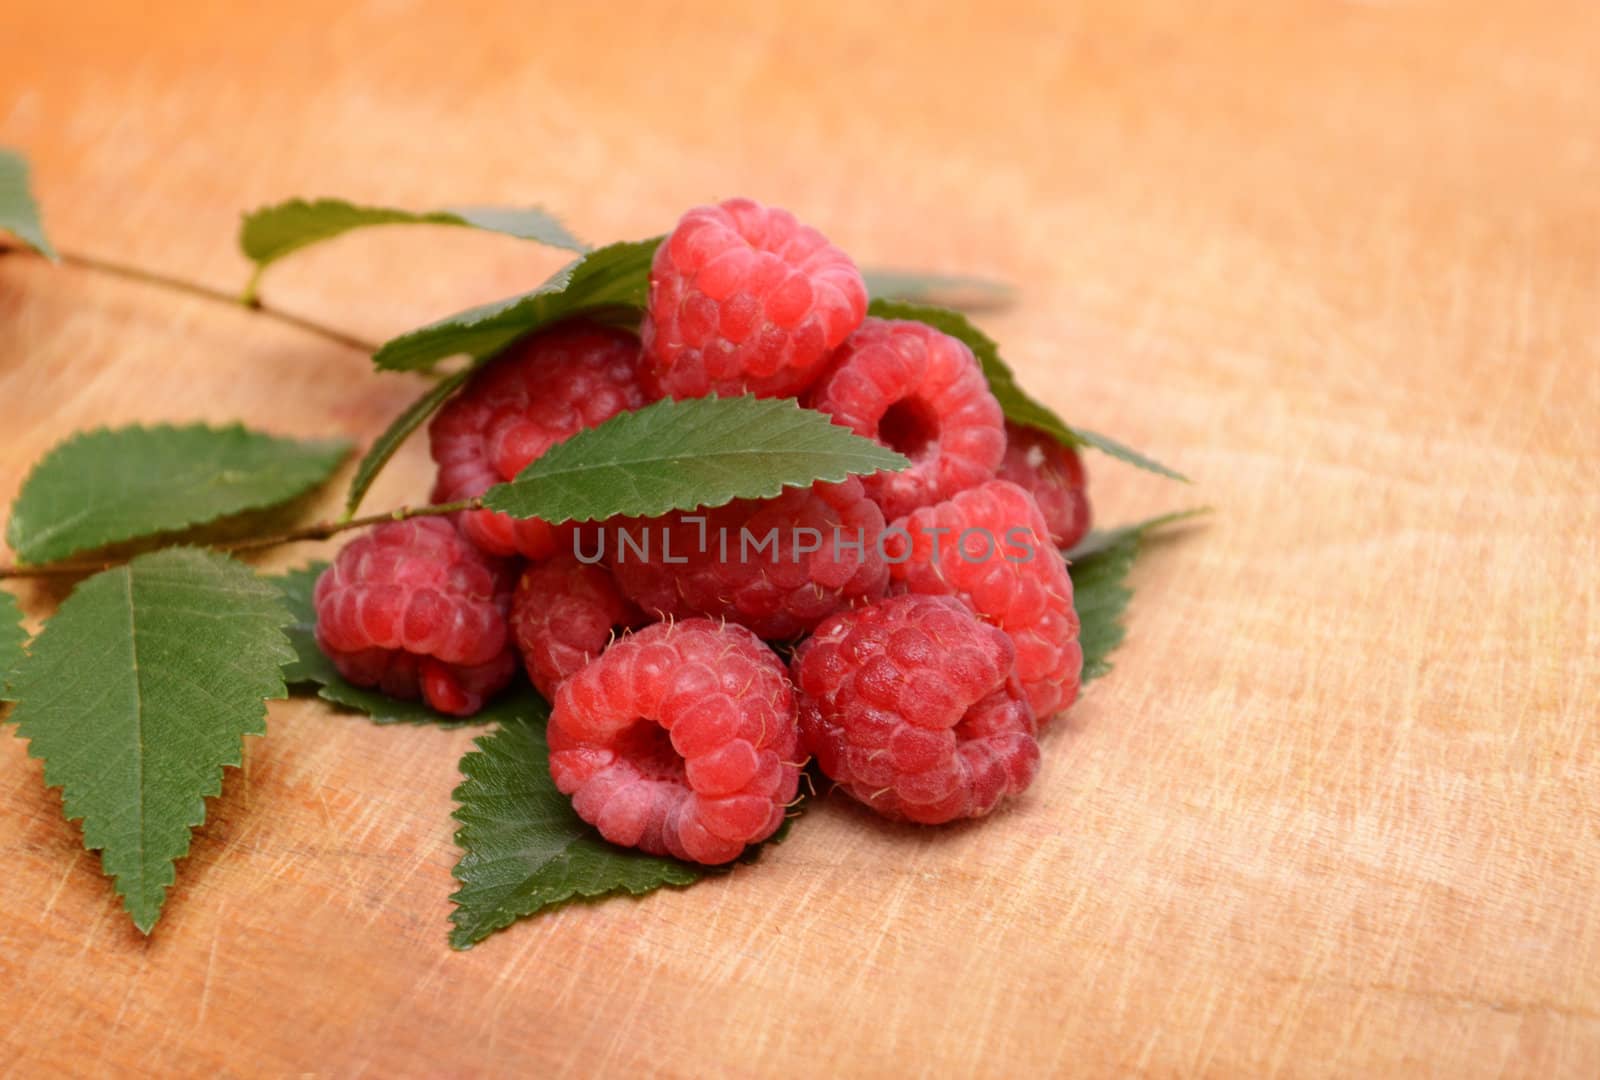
{"x":564,"y":612}
{"x":921,"y":392}
{"x":990,"y":547}
{"x":1053,"y":474}
{"x":911,"y":705}
{"x":415,"y":610}
{"x":745,"y":298}
{"x":679,"y":740}
{"x":543,"y":391}
{"x":749,"y":561}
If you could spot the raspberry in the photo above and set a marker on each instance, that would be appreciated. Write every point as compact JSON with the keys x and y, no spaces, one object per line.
{"x":1053,"y":474}
{"x":990,"y":547}
{"x":564,"y":612}
{"x":921,"y":392}
{"x":745,"y":298}
{"x":543,"y":391}
{"x":720,"y":567}
{"x":679,"y":740}
{"x":415,"y":610}
{"x":911,"y":706}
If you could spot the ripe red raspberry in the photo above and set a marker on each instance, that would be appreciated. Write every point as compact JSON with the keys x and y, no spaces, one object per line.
{"x":415,"y":610}
{"x":1053,"y":474}
{"x":564,"y":612}
{"x":745,"y":298}
{"x":990,"y":547}
{"x":778,"y":566}
{"x":921,"y":392}
{"x":911,"y":705}
{"x":546,"y":389}
{"x":679,"y":740}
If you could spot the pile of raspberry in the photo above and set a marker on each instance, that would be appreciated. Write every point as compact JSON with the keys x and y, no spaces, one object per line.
{"x":927,"y":614}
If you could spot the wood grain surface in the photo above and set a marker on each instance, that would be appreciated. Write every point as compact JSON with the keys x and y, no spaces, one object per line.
{"x":1336,"y":812}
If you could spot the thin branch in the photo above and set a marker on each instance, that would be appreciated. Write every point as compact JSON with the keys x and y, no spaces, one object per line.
{"x":322,"y":530}
{"x":203,"y":292}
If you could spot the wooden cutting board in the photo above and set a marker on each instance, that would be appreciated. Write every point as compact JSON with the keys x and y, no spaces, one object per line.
{"x":1336,"y":810}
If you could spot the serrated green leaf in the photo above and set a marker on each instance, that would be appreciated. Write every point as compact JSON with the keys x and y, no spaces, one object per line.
{"x":677,"y":455}
{"x":137,"y":693}
{"x":1122,"y":452}
{"x":1099,"y":566}
{"x":1017,"y":404}
{"x":1101,"y":540}
{"x":12,"y":639}
{"x":19,"y":214}
{"x":524,"y":849}
{"x":114,"y":485}
{"x":268,"y":234}
{"x":605,"y":280}
{"x":1101,"y":597}
{"x":958,"y":291}
{"x":400,"y":429}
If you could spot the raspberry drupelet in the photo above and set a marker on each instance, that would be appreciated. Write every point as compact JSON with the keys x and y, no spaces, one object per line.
{"x":824,"y":553}
{"x":921,"y":392}
{"x":1037,"y":462}
{"x":415,"y":610}
{"x":544,"y":390}
{"x":911,"y":706}
{"x":679,"y":740}
{"x":563,"y":613}
{"x":989,"y":546}
{"x":744,"y":298}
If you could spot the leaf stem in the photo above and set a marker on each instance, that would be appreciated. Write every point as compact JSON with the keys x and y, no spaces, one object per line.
{"x":204,"y":292}
{"x":322,"y":530}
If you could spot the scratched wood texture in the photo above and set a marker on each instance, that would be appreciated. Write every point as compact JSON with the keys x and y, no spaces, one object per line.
{"x":1336,"y":812}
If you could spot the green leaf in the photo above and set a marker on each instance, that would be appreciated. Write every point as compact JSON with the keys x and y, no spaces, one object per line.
{"x":612,"y":277}
{"x":19,"y":214}
{"x":523,"y":847}
{"x":1099,"y":566}
{"x":12,"y":639}
{"x":311,"y":668}
{"x":1102,"y":540}
{"x":138,"y":692}
{"x":1122,"y":452}
{"x":677,"y":455}
{"x":400,"y":429}
{"x":109,"y":486}
{"x":272,"y":232}
{"x":945,"y":290}
{"x":1018,"y":406}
